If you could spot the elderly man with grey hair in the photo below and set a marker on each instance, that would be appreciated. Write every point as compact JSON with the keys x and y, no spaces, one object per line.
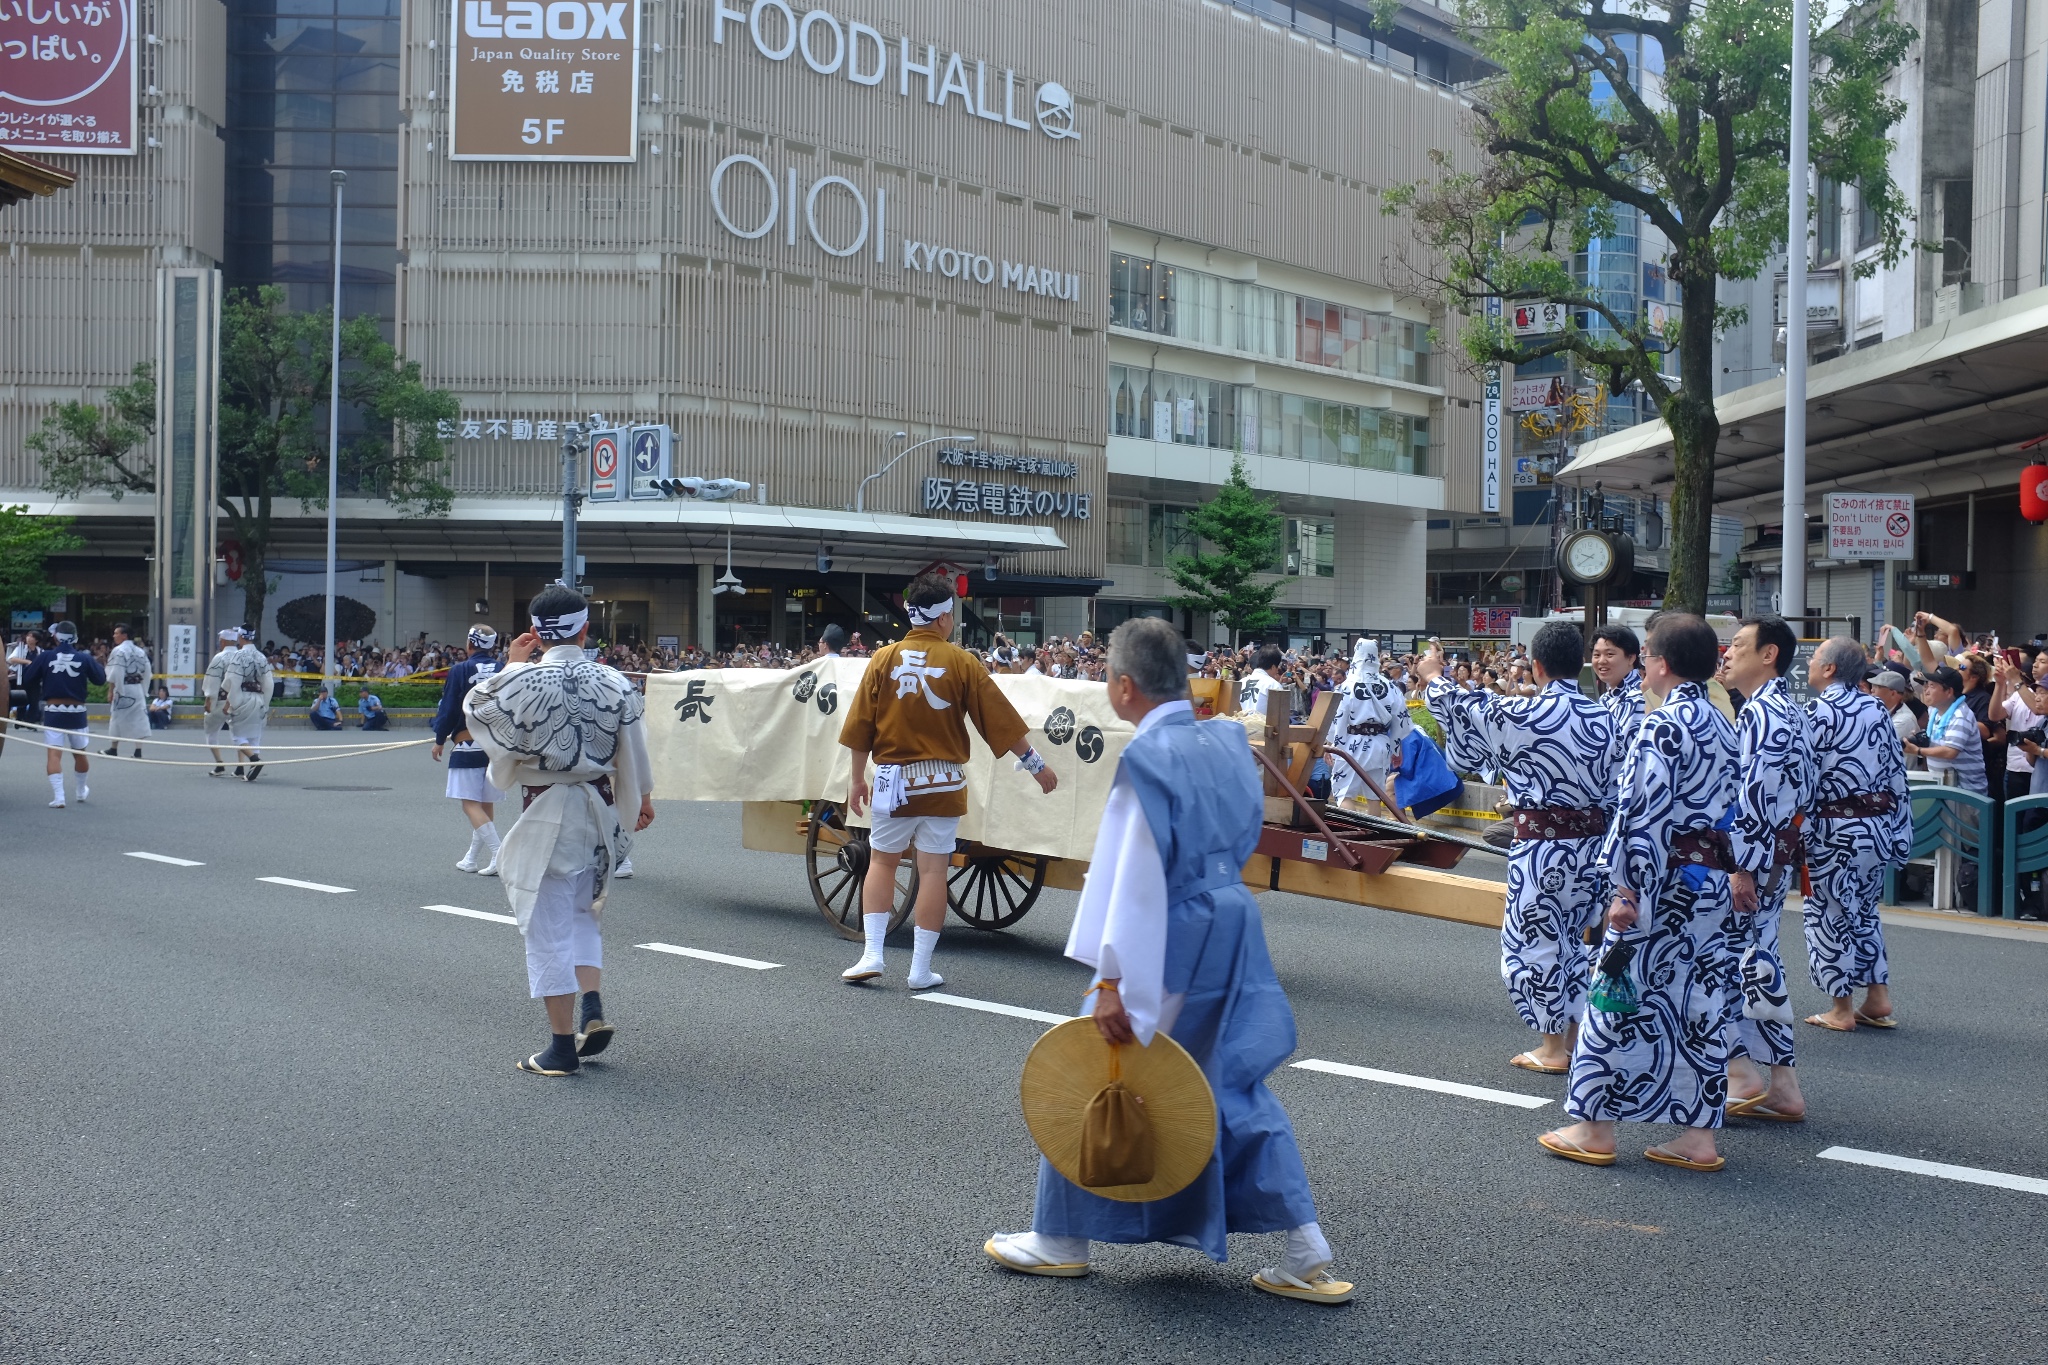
{"x":1860,"y":823}
{"x":1177,"y":947}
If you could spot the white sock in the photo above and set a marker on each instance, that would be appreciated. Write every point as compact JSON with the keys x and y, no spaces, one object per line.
{"x":877,"y":929}
{"x":921,"y":952}
{"x":474,"y":840}
{"x":1307,"y":1251}
{"x":489,"y":830}
{"x":84,"y":792}
{"x":1047,"y":1248}
{"x":57,"y":785}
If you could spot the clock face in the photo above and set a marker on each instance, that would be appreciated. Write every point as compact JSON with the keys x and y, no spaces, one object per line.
{"x":1589,"y":556}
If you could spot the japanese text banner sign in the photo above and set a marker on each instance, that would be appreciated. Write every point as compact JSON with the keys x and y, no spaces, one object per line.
{"x":748,"y":734}
{"x":544,"y":80}
{"x":67,"y":76}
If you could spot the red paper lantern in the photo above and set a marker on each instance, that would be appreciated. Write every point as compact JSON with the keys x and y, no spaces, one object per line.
{"x":2034,"y":493}
{"x":960,"y":581}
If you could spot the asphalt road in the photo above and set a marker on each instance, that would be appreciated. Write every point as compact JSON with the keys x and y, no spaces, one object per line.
{"x":248,"y":1121}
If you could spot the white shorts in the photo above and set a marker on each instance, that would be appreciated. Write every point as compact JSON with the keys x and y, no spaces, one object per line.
{"x":61,"y":739}
{"x":250,"y":740}
{"x":562,"y":934}
{"x":473,"y":784}
{"x":931,"y":833}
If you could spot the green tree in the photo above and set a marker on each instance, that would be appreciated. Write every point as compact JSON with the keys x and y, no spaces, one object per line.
{"x":1577,"y":124}
{"x":26,"y":544}
{"x":1245,"y":530}
{"x":273,"y":428}
{"x":85,"y":447}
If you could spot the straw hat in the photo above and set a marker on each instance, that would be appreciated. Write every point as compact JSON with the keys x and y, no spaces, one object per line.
{"x":1071,"y":1063}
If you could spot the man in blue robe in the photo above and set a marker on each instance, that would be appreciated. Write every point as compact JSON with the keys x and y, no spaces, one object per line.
{"x":1775,"y":783}
{"x":1177,"y":947}
{"x":1667,"y":860}
{"x":1861,"y":823}
{"x":1555,"y":752}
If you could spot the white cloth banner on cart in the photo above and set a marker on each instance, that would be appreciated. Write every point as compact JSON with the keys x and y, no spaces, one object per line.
{"x":747,"y":734}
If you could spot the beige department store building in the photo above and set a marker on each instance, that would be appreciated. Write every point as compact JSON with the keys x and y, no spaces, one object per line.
{"x":1111,"y":246}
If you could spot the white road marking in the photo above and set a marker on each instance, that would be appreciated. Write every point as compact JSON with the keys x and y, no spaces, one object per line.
{"x":308,"y":886}
{"x":751,"y":963}
{"x":1470,"y":1092}
{"x":991,"y":1007}
{"x":471,"y":914}
{"x":160,"y":858}
{"x":1913,"y":1165}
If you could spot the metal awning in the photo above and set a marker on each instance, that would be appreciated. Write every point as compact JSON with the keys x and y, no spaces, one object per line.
{"x":1942,"y":410}
{"x":24,"y":177}
{"x":631,"y":532}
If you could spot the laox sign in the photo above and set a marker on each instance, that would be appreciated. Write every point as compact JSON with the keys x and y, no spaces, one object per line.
{"x":563,"y":19}
{"x":829,"y":46}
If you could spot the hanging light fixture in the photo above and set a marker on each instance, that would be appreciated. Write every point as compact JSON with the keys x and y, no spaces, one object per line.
{"x":727,"y":581}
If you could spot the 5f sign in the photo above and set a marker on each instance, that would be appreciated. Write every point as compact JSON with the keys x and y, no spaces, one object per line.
{"x":545,"y":80}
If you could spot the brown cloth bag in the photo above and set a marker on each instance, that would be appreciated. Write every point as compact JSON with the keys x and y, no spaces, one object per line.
{"x":1117,"y":1147}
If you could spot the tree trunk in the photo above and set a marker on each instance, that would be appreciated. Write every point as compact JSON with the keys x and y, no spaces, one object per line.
{"x":255,"y":587}
{"x":1695,"y":432}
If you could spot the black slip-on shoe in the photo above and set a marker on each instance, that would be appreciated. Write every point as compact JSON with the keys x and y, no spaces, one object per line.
{"x":595,"y":1038}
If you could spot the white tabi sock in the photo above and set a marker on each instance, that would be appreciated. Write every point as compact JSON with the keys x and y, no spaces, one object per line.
{"x":475,"y":840}
{"x":923,"y":941}
{"x":57,"y":785}
{"x":489,"y":830}
{"x":877,"y":929}
{"x":1307,"y":1251}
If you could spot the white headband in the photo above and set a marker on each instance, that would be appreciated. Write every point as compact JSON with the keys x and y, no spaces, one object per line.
{"x":231,"y":633}
{"x":560,"y":627}
{"x":483,"y":637}
{"x":924,"y":616}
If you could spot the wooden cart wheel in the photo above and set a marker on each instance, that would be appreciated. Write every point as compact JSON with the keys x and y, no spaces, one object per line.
{"x":993,"y":890}
{"x":836,"y":858}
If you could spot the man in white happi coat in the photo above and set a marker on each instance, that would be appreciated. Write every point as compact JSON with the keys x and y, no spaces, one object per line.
{"x":239,"y":682}
{"x":128,"y":671}
{"x":213,"y":718}
{"x":1370,"y":722}
{"x":1262,"y":682}
{"x":565,"y":735}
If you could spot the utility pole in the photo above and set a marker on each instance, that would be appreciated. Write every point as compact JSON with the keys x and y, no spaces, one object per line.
{"x":1792,"y":567}
{"x":574,"y":445}
{"x":327,"y":673}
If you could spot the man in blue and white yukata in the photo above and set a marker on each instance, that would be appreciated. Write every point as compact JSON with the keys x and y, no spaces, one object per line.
{"x":62,"y":673}
{"x":469,"y":777}
{"x":1369,"y":725}
{"x":1615,"y":652}
{"x":1177,"y":947}
{"x":1555,"y":752}
{"x":1667,"y":860}
{"x":1862,"y":823}
{"x":1775,"y":783}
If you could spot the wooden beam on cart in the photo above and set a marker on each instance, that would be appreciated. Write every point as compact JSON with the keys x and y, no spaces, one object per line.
{"x":1403,"y":887}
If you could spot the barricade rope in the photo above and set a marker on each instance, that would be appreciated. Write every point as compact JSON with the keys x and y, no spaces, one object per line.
{"x":227,"y":742}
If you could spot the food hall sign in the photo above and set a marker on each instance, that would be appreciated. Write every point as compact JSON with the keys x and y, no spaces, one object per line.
{"x":863,"y":56}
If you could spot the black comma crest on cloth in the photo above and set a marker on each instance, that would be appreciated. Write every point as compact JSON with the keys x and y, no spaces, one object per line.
{"x":806,"y":684}
{"x":695,"y":703}
{"x":828,"y":699}
{"x":1059,"y":726}
{"x":1088,"y":744}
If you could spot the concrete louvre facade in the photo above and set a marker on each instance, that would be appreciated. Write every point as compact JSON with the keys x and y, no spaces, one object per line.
{"x":1232,"y":148}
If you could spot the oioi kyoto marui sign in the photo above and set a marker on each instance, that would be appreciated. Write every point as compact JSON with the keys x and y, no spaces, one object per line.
{"x":67,"y":76}
{"x":544,"y":80}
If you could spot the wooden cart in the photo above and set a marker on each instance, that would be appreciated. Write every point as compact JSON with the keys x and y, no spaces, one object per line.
{"x":1306,"y":846}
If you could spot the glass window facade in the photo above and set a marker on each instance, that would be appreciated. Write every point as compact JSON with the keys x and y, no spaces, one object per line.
{"x":313,"y":87}
{"x":1236,"y":315}
{"x":1182,"y":410}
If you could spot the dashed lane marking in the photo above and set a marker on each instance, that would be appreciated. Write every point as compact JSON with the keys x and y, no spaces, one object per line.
{"x":751,"y":963}
{"x":1470,"y":1092}
{"x":993,"y":1007}
{"x":308,"y":886}
{"x":467,"y":913}
{"x":1939,"y":1169}
{"x":162,"y":858}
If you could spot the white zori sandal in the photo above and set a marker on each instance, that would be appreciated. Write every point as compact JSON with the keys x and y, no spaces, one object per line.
{"x":1028,"y":1253}
{"x":1306,"y":1274}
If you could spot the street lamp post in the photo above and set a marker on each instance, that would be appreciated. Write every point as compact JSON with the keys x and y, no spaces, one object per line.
{"x":860,"y":493}
{"x":340,"y":180}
